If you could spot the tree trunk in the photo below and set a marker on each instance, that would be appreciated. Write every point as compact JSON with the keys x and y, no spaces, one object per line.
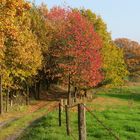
{"x":35,"y":91}
{"x":69,"y":92}
{"x":75,"y":94}
{"x":47,"y":83}
{"x":38,"y":90}
{"x":1,"y":96}
{"x":11,"y":99}
{"x":85,"y":93}
{"x":27,"y":95}
{"x":7,"y":100}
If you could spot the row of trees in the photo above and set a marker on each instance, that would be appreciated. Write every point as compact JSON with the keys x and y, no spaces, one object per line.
{"x":71,"y":46}
{"x":20,"y":52}
{"x":21,"y":55}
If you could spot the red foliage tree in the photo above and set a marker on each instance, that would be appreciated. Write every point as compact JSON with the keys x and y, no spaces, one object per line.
{"x":76,"y":48}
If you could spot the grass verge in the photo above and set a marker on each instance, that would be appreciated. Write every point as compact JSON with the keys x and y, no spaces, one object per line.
{"x":14,"y":127}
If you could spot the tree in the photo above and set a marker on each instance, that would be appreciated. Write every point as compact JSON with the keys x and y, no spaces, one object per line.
{"x":76,"y":49}
{"x":43,"y":30}
{"x":131,"y":55}
{"x":113,"y":62}
{"x":22,"y":56}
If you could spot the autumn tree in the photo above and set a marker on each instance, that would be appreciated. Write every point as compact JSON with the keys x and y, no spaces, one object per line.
{"x":131,"y":55}
{"x":22,"y":55}
{"x":113,"y":66}
{"x":76,"y":49}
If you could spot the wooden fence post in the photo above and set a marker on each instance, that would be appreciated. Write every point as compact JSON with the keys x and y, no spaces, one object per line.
{"x":67,"y":120}
{"x":59,"y":114}
{"x":65,"y":102}
{"x":1,"y":96}
{"x":81,"y":122}
{"x":73,"y":101}
{"x":62,"y":104}
{"x":69,"y":90}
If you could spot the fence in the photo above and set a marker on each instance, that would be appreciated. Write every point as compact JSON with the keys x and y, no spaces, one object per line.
{"x":81,"y":109}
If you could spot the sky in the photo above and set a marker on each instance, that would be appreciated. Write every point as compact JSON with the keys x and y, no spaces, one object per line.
{"x":121,"y":16}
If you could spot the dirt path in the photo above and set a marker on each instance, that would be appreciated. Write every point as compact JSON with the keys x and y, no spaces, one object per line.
{"x":5,"y":123}
{"x":6,"y":117}
{"x":12,"y":125}
{"x":55,"y":94}
{"x":50,"y":108}
{"x":11,"y":129}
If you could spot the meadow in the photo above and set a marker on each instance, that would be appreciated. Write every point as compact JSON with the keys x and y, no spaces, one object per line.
{"x":117,"y":108}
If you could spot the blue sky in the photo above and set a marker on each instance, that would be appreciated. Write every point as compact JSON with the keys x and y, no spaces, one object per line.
{"x":122,"y":16}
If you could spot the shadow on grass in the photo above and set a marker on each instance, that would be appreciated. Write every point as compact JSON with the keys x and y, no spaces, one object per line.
{"x":130,"y":96}
{"x":41,"y":128}
{"x":126,"y":93}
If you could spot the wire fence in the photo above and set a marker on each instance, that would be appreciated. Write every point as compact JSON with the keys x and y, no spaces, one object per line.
{"x":101,"y":123}
{"x":72,"y":135}
{"x":69,"y":122}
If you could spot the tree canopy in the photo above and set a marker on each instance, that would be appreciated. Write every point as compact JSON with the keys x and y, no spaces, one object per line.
{"x":37,"y":43}
{"x":131,"y":54}
{"x":76,"y":48}
{"x":114,"y":66}
{"x":21,"y":53}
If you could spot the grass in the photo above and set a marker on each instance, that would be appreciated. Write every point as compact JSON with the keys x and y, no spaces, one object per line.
{"x":126,"y":93}
{"x":21,"y":123}
{"x":46,"y":128}
{"x":119,"y":111}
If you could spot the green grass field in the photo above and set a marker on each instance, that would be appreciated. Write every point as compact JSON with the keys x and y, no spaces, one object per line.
{"x":118,"y":109}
